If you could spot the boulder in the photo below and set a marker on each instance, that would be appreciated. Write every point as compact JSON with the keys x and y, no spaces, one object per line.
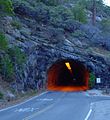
{"x":10,"y":96}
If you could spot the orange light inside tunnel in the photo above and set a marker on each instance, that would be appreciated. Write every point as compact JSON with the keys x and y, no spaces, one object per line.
{"x":56,"y":71}
{"x":68,"y":66}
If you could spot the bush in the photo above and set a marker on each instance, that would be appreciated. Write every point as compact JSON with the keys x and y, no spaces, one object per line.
{"x":7,"y":69}
{"x":91,"y":80}
{"x":106,"y":10}
{"x":3,"y":42}
{"x":6,"y":66}
{"x":16,"y":24}
{"x":105,"y":26}
{"x":60,"y":14}
{"x":17,"y":55}
{"x":10,"y":58}
{"x":12,"y":62}
{"x":101,"y":9}
{"x":6,"y":7}
{"x":79,"y":13}
{"x":50,"y":2}
{"x":1,"y":95}
{"x":78,"y":33}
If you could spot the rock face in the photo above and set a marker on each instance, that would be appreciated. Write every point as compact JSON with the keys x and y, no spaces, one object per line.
{"x":44,"y":44}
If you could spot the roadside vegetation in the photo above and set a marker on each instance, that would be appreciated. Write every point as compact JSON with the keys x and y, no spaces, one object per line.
{"x":6,"y":7}
{"x":55,"y":11}
{"x":1,"y":95}
{"x":9,"y":58}
{"x":63,"y":16}
{"x":92,"y":79}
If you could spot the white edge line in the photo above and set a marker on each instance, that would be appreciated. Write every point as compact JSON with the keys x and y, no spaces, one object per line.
{"x":90,"y":111}
{"x":88,"y":115}
{"x":23,"y":102}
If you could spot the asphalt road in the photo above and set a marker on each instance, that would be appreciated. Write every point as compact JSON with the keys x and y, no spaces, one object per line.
{"x":52,"y":106}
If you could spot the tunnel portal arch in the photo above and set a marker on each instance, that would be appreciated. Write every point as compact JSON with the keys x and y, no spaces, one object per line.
{"x":68,"y":75}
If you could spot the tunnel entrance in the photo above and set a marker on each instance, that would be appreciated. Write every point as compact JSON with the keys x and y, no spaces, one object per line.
{"x":68,"y":75}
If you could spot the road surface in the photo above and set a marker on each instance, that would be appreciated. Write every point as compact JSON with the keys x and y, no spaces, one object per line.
{"x":53,"y":106}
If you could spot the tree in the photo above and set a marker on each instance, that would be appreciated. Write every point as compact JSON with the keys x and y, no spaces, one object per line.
{"x":7,"y":69}
{"x":6,"y":7}
{"x":94,"y":6}
{"x":79,"y":13}
{"x":105,"y":26}
{"x":3,"y":42}
{"x":18,"y":59}
{"x":93,"y":12}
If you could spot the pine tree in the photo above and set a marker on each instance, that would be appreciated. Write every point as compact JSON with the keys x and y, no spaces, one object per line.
{"x":93,"y":12}
{"x":79,"y":13}
{"x":6,"y":7}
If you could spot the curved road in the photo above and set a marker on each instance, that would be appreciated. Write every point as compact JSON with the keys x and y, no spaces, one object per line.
{"x":52,"y":106}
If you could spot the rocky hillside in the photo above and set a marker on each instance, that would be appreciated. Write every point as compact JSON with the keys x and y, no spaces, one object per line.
{"x":35,"y":34}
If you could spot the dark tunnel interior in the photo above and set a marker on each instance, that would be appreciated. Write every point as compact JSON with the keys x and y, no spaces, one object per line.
{"x":64,"y":78}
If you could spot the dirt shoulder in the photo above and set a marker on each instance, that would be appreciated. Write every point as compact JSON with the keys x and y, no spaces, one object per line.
{"x":20,"y":98}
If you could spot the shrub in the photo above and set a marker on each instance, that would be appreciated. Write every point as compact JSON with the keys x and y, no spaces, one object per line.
{"x":59,"y":14}
{"x":1,"y":95}
{"x":78,"y":33}
{"x":106,"y":10}
{"x":105,"y":25}
{"x":12,"y":62}
{"x":42,"y":13}
{"x":7,"y":69}
{"x":16,"y":24}
{"x":3,"y":42}
{"x":17,"y":55}
{"x":6,"y":7}
{"x":10,"y":58}
{"x":101,"y":9}
{"x":91,"y":80}
{"x":79,"y":13}
{"x":50,"y":2}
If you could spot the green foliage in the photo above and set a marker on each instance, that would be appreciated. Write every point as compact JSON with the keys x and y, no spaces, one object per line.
{"x":50,"y":2}
{"x":101,"y":9}
{"x":60,"y":13}
{"x":7,"y":68}
{"x":12,"y":90}
{"x":105,"y":26}
{"x":79,"y":13}
{"x":1,"y":95}
{"x":33,"y":3}
{"x":16,"y":24}
{"x":6,"y":7}
{"x":91,"y":80}
{"x":10,"y":58}
{"x":17,"y":54}
{"x":13,"y":57}
{"x":53,"y":2}
{"x":27,"y":3}
{"x":78,"y":33}
{"x":88,"y":4}
{"x":106,"y":10}
{"x":3,"y":42}
{"x":20,"y":56}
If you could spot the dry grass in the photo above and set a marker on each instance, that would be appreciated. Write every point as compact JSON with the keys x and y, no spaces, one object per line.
{"x":4,"y":87}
